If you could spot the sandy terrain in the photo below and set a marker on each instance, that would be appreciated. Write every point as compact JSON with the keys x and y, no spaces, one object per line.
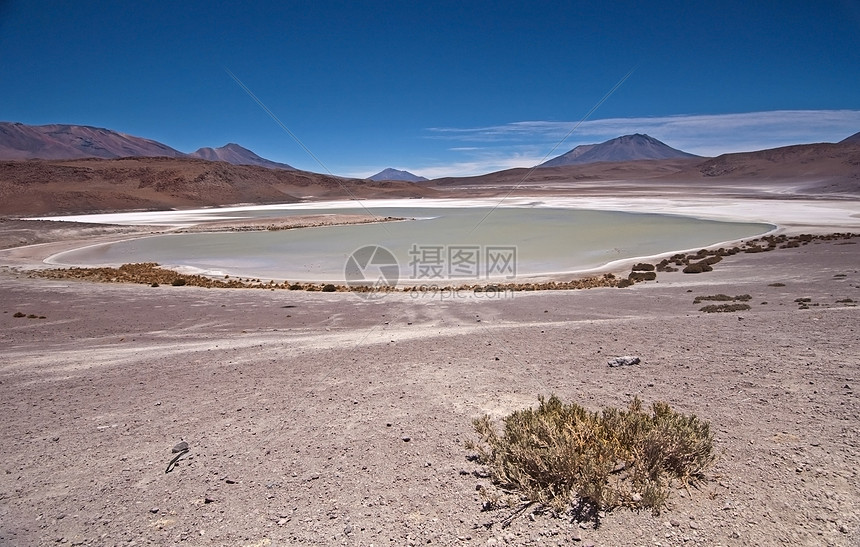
{"x":325,"y":418}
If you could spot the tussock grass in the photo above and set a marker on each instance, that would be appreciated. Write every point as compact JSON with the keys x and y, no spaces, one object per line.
{"x":566,"y":457}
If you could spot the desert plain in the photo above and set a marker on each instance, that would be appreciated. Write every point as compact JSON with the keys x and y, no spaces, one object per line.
{"x":333,"y":419}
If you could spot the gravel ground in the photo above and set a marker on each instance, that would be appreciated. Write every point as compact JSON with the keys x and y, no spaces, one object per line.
{"x":324,"y":418}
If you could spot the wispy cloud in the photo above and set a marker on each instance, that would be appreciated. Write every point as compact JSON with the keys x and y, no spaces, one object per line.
{"x":707,"y":135}
{"x":480,"y":150}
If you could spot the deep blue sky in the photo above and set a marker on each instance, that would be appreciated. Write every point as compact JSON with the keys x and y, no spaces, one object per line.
{"x":436,"y":87}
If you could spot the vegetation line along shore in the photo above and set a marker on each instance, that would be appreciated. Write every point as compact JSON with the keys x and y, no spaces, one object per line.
{"x":151,"y":273}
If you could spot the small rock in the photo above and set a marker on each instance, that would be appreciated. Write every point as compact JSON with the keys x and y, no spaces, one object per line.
{"x":405,"y":438}
{"x":347,"y":529}
{"x":180,"y":447}
{"x":624,"y":361}
{"x":636,"y":497}
{"x":154,"y":510}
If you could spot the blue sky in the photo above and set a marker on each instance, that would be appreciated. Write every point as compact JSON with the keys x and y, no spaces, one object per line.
{"x":438,"y":88}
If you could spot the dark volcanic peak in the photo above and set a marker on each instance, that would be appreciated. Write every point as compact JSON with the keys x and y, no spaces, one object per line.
{"x":237,"y":155}
{"x":59,"y":141}
{"x":396,"y":174}
{"x":853,"y":139}
{"x":627,"y":148}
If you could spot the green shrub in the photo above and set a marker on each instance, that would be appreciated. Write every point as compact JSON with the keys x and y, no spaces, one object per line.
{"x":564,"y":456}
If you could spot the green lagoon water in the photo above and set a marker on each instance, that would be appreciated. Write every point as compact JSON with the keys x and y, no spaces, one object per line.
{"x":546,"y":241}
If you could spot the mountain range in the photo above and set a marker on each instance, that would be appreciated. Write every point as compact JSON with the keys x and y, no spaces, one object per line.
{"x":66,"y":142}
{"x":626,"y":148}
{"x":97,"y":169}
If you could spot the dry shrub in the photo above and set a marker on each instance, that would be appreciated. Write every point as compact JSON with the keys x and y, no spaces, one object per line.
{"x":566,"y":457}
{"x":723,"y":298}
{"x":642,"y":276}
{"x":723,"y":308}
{"x":697,"y":267}
{"x":643,"y":267}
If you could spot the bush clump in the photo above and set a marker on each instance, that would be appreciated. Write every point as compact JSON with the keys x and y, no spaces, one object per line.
{"x":329,"y":288}
{"x":178,"y":282}
{"x":642,"y":276}
{"x":698,"y":267}
{"x":643,"y":267}
{"x":566,"y":457}
{"x":723,"y":298}
{"x":723,"y":308}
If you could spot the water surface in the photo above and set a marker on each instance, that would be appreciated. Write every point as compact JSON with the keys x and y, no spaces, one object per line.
{"x":546,"y":241}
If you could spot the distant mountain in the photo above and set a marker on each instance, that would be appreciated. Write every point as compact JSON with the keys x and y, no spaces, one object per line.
{"x":70,"y":142}
{"x":855,"y":138}
{"x":237,"y":155}
{"x":60,"y":142}
{"x":396,"y":174}
{"x":627,"y":148}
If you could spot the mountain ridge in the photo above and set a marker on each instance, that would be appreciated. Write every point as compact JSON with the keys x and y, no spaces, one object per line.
{"x":61,"y":142}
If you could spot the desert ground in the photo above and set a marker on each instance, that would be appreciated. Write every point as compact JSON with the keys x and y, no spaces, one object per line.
{"x":331,"y":419}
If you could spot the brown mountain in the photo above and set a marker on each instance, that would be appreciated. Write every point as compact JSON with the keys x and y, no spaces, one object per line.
{"x":65,"y":142}
{"x":19,"y":141}
{"x":808,"y":169}
{"x":626,"y":148}
{"x":855,"y":138}
{"x":812,"y":168}
{"x":237,"y":155}
{"x":40,"y":187}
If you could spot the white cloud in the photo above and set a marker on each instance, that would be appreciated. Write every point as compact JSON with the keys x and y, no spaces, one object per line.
{"x":706,"y":134}
{"x":481,"y":150}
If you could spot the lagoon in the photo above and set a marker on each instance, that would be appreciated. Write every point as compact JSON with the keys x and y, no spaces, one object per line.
{"x":545,"y":240}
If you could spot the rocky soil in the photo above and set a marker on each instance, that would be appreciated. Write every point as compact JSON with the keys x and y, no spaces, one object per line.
{"x":327,"y":418}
